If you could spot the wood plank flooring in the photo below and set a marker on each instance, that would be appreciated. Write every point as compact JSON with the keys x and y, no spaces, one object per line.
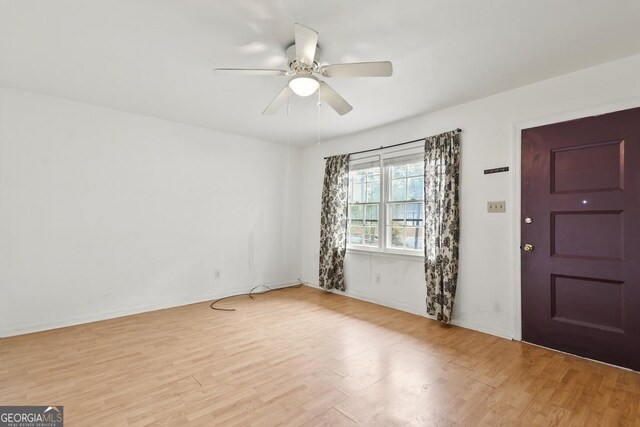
{"x":305,"y":357}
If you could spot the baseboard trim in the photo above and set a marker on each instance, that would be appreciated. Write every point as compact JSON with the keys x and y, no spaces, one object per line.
{"x":112,"y":314}
{"x":79,"y":320}
{"x":417,"y":311}
{"x":490,"y":331}
{"x":373,"y":300}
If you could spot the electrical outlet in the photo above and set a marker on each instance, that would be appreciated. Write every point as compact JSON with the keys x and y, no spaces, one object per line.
{"x":378,"y":278}
{"x":217,"y":274}
{"x":496,"y":206}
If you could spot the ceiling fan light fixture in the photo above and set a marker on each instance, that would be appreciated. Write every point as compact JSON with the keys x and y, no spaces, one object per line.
{"x":304,"y":85}
{"x":303,"y":59}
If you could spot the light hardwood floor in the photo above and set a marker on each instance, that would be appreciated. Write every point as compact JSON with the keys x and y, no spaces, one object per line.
{"x":305,"y":357}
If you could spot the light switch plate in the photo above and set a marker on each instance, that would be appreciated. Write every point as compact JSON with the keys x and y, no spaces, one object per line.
{"x":496,"y":206}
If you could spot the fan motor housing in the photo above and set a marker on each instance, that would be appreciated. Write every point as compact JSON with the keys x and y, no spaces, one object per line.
{"x":299,"y":68}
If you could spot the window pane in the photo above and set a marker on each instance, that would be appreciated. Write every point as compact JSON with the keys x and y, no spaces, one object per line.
{"x":398,"y":171}
{"x":356,"y":214}
{"x":371,"y":217}
{"x":373,"y":175}
{"x":371,"y":236}
{"x":415,"y":169}
{"x":415,"y":188}
{"x":365,"y":194}
{"x":397,"y":214}
{"x":373,"y":192}
{"x":359,"y":193}
{"x":398,"y":189}
{"x":356,"y":235}
{"x":357,"y":177}
{"x":413,"y":238}
{"x":415,"y":214}
{"x":396,"y":238}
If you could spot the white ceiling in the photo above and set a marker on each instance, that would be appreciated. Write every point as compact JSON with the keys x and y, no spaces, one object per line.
{"x":155,"y":57}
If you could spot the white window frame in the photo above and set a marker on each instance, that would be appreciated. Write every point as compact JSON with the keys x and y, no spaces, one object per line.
{"x":375,"y":158}
{"x":385,"y":203}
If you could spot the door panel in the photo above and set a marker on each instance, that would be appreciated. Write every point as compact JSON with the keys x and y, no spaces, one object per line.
{"x":581,"y":282}
{"x":594,"y":303}
{"x":588,"y":234}
{"x":591,"y":167}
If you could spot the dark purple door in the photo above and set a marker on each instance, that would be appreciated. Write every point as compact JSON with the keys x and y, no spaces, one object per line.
{"x":581,"y":237}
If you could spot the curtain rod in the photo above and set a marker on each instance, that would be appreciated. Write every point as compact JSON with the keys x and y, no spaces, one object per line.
{"x":382,"y":147}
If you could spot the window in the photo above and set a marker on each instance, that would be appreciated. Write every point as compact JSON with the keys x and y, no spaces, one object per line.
{"x":386,"y":204}
{"x":364,"y":205}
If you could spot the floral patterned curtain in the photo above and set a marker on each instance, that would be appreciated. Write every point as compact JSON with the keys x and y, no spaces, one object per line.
{"x":442,"y":217}
{"x":333,"y":222}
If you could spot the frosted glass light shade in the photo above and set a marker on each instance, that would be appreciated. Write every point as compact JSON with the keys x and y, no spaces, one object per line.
{"x":304,"y":85}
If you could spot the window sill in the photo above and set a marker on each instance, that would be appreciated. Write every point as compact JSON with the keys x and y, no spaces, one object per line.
{"x":405,"y":257}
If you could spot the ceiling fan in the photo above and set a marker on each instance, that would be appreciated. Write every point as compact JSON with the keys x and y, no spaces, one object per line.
{"x":303,"y":58}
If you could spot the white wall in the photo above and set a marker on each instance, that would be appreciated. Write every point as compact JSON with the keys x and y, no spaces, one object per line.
{"x":104,"y":213}
{"x":488,"y":287}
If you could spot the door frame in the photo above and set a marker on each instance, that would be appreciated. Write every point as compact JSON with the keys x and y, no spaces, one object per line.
{"x":516,"y":182}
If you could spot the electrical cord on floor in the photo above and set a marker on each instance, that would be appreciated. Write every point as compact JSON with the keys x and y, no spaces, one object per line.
{"x":251,"y":294}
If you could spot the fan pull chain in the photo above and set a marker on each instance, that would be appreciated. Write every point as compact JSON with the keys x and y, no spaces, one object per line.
{"x":288,"y":131}
{"x":318,"y":119}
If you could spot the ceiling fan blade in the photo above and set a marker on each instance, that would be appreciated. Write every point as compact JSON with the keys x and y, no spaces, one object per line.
{"x":358,"y":69}
{"x":335,"y":101}
{"x":278,"y":101}
{"x":250,"y":72}
{"x":306,"y":41}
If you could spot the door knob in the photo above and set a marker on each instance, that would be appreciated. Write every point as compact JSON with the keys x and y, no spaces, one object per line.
{"x":527,"y":247}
